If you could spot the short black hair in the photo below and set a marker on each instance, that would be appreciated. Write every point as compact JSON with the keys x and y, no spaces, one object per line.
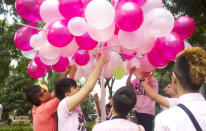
{"x":124,"y":100}
{"x":33,"y":94}
{"x":63,"y":86}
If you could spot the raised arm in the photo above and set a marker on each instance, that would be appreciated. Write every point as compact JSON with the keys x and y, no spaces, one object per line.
{"x":64,"y":75}
{"x":154,"y":95}
{"x":128,"y":83}
{"x":97,"y":104}
{"x":80,"y":96}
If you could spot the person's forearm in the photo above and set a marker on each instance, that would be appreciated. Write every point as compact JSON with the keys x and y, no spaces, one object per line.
{"x":98,"y":108}
{"x":80,"y":96}
{"x":154,"y":95}
{"x":128,"y":83}
{"x":72,"y":74}
{"x":64,"y":75}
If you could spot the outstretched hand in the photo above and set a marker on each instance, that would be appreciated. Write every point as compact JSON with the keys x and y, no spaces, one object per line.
{"x":131,"y":71}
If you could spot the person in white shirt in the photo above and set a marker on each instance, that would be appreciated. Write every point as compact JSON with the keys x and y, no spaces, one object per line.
{"x":188,"y":75}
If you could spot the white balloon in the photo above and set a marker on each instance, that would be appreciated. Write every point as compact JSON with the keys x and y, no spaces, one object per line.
{"x":49,"y":11}
{"x":88,"y":68}
{"x":114,"y":61}
{"x":125,"y":67}
{"x":134,"y":62}
{"x":151,"y":4}
{"x":29,"y":54}
{"x":128,"y":39}
{"x":78,"y":74}
{"x":37,"y":41}
{"x":77,"y":26}
{"x":69,"y":49}
{"x":49,"y":51}
{"x":158,"y":22}
{"x":99,"y":14}
{"x":48,"y":61}
{"x":102,"y":35}
{"x":114,"y":43}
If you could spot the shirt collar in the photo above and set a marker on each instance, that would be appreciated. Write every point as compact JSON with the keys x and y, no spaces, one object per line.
{"x":191,"y":97}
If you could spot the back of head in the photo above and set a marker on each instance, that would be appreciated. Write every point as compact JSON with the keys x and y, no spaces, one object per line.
{"x":124,"y":100}
{"x":63,"y":86}
{"x":190,"y":68}
{"x":33,"y":94}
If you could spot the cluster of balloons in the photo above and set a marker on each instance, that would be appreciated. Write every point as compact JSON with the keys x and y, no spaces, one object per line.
{"x":76,"y":31}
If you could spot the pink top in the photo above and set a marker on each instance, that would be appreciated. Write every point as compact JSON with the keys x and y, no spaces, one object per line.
{"x":144,"y":103}
{"x":70,"y":120}
{"x":118,"y":125}
{"x":44,"y":117}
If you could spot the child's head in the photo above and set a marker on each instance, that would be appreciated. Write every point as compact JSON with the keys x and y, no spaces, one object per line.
{"x":66,"y":87}
{"x":37,"y":95}
{"x":124,"y":100}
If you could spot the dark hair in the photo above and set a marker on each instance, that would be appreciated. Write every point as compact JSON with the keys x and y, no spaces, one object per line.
{"x":190,"y":68}
{"x":63,"y":86}
{"x":124,"y":100}
{"x":33,"y":94}
{"x":108,"y":106}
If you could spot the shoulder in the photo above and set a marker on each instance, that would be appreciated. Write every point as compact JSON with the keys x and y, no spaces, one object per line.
{"x":117,"y":124}
{"x":169,"y":114}
{"x":62,"y":103}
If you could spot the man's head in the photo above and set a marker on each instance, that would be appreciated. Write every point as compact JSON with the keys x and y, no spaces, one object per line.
{"x":66,"y":87}
{"x":37,"y":95}
{"x":124,"y":100}
{"x":190,"y":69}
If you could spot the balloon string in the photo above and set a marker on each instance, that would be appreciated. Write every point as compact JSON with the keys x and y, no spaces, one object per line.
{"x":115,"y":5}
{"x":111,"y":48}
{"x":31,"y":27}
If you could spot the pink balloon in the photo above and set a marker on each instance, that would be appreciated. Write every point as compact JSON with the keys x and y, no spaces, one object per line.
{"x":86,"y":2}
{"x":38,"y":61}
{"x":71,"y":8}
{"x":61,"y":65}
{"x":139,"y":2}
{"x":127,"y":56}
{"x":184,"y":27}
{"x":47,"y":69}
{"x":23,"y":36}
{"x":145,"y":65}
{"x":58,"y":34}
{"x":34,"y":70}
{"x":116,"y":30}
{"x":81,"y":57}
{"x":129,"y":16}
{"x":86,"y":42}
{"x":29,"y":9}
{"x":156,"y":59}
{"x":169,"y":46}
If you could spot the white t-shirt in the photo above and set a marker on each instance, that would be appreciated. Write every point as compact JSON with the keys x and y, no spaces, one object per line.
{"x":118,"y":125}
{"x":70,"y":120}
{"x":176,"y":119}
